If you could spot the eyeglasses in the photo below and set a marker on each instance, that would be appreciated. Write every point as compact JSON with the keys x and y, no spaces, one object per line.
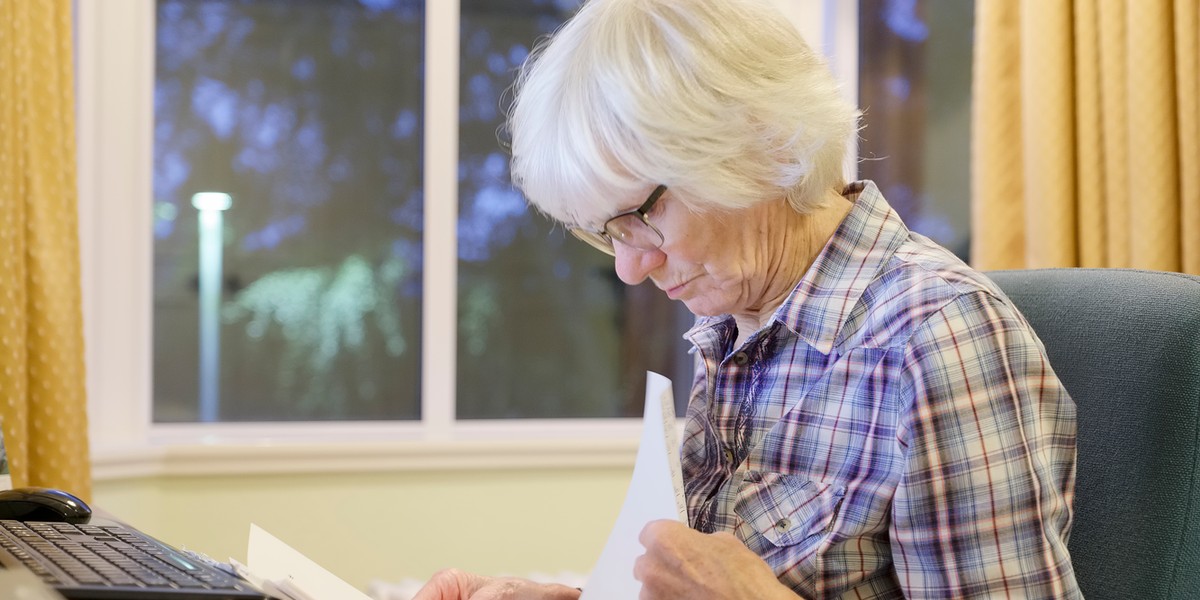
{"x":631,"y":228}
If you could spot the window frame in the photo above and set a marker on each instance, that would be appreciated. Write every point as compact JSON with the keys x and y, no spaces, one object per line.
{"x":114,"y":89}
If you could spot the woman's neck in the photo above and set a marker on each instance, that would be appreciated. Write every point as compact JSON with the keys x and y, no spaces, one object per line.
{"x":797,"y":248}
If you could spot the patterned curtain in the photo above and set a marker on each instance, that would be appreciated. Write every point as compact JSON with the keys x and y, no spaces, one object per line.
{"x":1086,"y":134}
{"x":42,"y":399}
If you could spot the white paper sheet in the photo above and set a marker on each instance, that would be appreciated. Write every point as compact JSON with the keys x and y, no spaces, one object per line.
{"x":281,"y":567}
{"x":655,"y":492}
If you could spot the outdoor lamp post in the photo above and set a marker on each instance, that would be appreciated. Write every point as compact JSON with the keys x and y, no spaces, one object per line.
{"x":210,"y":205}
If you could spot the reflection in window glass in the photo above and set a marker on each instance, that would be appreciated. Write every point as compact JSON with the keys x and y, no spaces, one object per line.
{"x":915,"y":90}
{"x":545,"y":327}
{"x":308,"y":113}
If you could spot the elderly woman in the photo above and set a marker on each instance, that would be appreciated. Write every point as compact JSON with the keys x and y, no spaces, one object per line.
{"x":869,"y":418}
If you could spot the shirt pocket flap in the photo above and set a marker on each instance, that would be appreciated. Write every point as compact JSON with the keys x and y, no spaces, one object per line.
{"x":786,"y":509}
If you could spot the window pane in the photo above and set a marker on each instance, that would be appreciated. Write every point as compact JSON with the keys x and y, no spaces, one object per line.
{"x":545,"y":327}
{"x":915,"y":89}
{"x":308,"y":113}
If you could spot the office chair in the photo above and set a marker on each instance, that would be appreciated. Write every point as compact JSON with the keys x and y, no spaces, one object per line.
{"x":1126,"y":344}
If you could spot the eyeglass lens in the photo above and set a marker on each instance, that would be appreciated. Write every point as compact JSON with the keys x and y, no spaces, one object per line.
{"x":633,"y":231}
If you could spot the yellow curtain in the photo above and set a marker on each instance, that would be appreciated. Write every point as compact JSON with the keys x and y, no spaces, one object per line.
{"x":42,"y":399}
{"x":1086,"y":134}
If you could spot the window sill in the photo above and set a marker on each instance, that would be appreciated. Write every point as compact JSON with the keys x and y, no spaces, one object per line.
{"x":201,"y":451}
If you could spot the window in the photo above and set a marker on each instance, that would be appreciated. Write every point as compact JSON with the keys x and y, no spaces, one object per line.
{"x":306,"y":118}
{"x":309,"y":115}
{"x":914,"y":86}
{"x":545,"y":328}
{"x":452,"y":367}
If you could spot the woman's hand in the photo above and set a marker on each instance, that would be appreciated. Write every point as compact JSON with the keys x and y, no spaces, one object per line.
{"x":452,"y":584}
{"x":683,"y":563}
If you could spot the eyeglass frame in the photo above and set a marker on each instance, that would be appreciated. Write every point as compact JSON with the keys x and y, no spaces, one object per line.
{"x":602,"y":240}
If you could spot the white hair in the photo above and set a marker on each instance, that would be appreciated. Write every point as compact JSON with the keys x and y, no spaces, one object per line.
{"x":720,"y":100}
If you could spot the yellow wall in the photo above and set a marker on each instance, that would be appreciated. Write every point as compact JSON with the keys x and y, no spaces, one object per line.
{"x":387,"y":526}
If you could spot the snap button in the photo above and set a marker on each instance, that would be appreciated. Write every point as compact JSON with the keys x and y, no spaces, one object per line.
{"x":741,"y":358}
{"x":783,"y":524}
{"x":728,"y":455}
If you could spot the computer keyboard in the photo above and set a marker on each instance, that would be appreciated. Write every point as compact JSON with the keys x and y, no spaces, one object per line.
{"x":112,"y":562}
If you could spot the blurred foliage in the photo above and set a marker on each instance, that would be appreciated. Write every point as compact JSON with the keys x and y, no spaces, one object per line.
{"x":323,"y":315}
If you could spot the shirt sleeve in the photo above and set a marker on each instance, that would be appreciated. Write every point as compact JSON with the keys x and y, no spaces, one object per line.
{"x":983,"y":505}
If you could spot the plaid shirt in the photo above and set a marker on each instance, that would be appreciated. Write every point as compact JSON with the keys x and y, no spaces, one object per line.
{"x":894,"y":431}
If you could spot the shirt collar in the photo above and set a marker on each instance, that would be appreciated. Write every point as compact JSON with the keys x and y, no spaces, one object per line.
{"x":821,"y":304}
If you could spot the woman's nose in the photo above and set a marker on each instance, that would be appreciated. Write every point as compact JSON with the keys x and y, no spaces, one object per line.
{"x":633,"y":265}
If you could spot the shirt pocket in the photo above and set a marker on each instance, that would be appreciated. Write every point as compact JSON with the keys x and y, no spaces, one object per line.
{"x":786,"y":509}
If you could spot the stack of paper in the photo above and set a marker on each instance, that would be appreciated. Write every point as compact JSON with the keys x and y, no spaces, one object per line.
{"x":279,"y":570}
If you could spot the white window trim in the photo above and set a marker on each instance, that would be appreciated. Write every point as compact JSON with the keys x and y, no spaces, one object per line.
{"x":115,"y":79}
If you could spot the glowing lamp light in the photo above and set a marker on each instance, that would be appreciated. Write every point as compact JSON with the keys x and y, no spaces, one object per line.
{"x":212,"y":201}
